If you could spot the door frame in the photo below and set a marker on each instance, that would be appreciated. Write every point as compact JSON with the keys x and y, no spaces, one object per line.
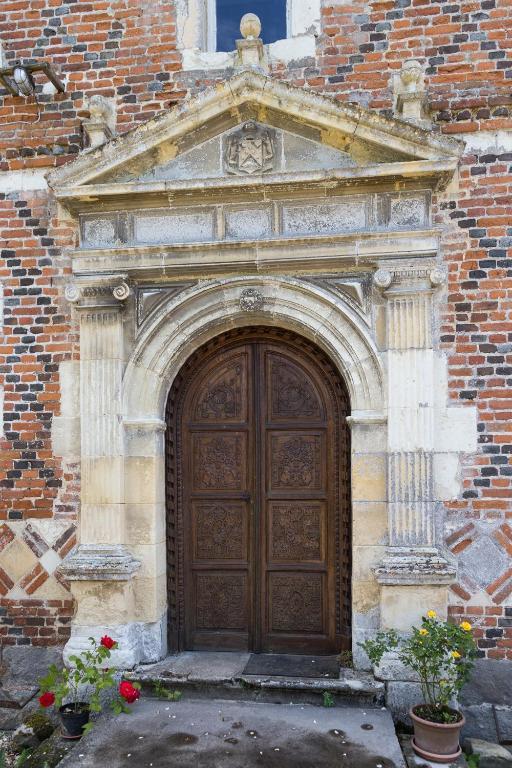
{"x":176,"y":551}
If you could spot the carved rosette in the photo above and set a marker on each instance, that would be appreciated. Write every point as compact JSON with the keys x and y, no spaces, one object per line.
{"x":251,"y":300}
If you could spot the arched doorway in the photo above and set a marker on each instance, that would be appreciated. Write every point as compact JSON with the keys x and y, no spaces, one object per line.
{"x":258,"y":497}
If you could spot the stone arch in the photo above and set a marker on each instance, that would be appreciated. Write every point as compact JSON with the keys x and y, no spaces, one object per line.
{"x":203,"y":311}
{"x":170,"y":336}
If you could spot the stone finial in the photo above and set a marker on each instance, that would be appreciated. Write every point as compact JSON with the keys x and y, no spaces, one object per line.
{"x":250,"y":26}
{"x":410,"y":95}
{"x":250,"y":50}
{"x":100,"y":127}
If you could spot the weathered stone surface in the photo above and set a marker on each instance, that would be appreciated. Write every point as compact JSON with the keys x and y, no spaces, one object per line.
{"x":503,"y":717}
{"x":480,"y":722}
{"x":490,"y":682}
{"x":28,"y":663}
{"x":15,"y":695}
{"x":200,"y":733}
{"x":24,"y":738}
{"x":50,"y":753}
{"x":490,"y":755}
{"x":400,"y":697}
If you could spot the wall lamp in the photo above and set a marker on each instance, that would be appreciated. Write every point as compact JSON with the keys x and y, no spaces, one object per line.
{"x":18,"y":78}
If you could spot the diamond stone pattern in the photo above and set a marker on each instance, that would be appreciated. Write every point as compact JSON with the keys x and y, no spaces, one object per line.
{"x":29,"y":555}
{"x":484,"y":561}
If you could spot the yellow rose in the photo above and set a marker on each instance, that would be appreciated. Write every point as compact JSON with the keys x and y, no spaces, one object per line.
{"x":466,"y":626}
{"x":432,"y":614}
{"x":423,"y":631}
{"x":455,"y":654}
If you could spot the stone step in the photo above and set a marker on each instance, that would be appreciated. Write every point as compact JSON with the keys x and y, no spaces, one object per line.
{"x":220,"y":675}
{"x":199,"y":733}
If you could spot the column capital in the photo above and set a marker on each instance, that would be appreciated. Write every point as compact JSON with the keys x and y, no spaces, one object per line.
{"x":98,"y":292}
{"x":394,"y":278}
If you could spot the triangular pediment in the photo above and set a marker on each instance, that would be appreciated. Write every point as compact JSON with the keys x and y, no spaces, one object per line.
{"x":253,"y":125}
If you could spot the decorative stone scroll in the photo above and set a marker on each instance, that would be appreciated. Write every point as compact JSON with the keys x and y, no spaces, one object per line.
{"x":102,"y":291}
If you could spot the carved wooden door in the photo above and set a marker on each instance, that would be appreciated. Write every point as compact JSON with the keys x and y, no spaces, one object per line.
{"x":266,"y":535}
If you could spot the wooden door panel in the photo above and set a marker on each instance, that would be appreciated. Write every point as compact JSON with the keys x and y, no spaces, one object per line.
{"x":296,"y":462}
{"x":296,"y":604}
{"x":222,"y":396}
{"x":220,"y":531}
{"x":291,"y":392}
{"x":219,"y":461}
{"x":218,"y":484}
{"x":296,"y":531}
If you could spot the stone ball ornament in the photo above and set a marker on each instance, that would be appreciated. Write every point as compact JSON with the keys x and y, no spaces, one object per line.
{"x":250,"y":26}
{"x":437,"y":277}
{"x":72,"y":293}
{"x":382,"y":278}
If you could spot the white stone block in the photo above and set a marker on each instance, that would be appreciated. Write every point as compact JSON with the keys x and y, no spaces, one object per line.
{"x":446,"y":476}
{"x":456,"y":429}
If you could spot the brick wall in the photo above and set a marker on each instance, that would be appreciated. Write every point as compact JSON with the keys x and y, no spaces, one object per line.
{"x":128,"y":50}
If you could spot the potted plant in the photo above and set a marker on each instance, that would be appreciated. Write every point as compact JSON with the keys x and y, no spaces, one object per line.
{"x":76,"y":690}
{"x":442,"y":655}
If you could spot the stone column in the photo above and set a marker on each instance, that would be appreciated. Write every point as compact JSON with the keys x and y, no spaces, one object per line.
{"x":101,"y":568}
{"x":413,"y":573}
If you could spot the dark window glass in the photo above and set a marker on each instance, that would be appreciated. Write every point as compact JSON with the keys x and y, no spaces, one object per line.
{"x":272,"y":15}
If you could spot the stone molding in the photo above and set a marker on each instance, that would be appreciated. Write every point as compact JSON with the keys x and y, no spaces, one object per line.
{"x":414,"y":565}
{"x":99,"y":562}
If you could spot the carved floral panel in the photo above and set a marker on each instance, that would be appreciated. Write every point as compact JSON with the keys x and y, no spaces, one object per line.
{"x":219,"y":461}
{"x":296,"y":531}
{"x":221,"y":601}
{"x":220,"y":530}
{"x":223,"y":395}
{"x":293,"y":394}
{"x":296,"y":602}
{"x":296,"y":461}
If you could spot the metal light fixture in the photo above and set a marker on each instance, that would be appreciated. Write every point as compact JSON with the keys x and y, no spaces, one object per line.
{"x":24,"y":81}
{"x":18,"y":78}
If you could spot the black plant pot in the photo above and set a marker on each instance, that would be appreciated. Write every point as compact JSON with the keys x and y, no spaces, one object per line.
{"x":74,"y":720}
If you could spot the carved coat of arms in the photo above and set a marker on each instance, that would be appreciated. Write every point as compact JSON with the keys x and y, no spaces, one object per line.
{"x":250,"y":150}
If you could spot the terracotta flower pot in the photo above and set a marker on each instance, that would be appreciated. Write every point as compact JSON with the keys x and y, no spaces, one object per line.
{"x":438,"y":742}
{"x":74,"y":721}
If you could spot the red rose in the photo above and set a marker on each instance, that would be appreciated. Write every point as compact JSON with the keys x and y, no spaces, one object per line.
{"x":47,"y":699}
{"x":107,"y":642}
{"x":128,"y":692}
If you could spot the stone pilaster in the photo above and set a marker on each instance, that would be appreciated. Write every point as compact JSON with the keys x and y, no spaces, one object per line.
{"x":412,"y":557}
{"x":101,"y":567}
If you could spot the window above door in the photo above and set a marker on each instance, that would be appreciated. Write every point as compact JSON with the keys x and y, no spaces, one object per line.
{"x":207,"y":30}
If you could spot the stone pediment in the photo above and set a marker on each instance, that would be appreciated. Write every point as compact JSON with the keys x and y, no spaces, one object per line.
{"x":258,"y":128}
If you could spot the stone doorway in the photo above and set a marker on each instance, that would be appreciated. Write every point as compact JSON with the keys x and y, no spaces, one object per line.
{"x":258,"y":498}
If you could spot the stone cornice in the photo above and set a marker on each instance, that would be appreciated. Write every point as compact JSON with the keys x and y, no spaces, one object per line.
{"x":413,"y":174}
{"x":334,"y":119}
{"x":297,"y":253}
